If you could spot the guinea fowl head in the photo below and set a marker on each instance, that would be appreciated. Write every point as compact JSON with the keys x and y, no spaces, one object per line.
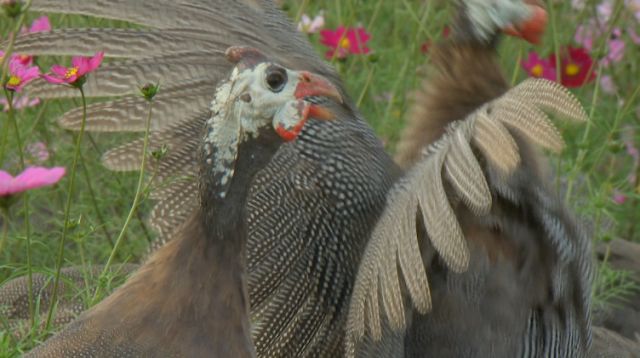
{"x":522,"y":18}
{"x":261,"y":104}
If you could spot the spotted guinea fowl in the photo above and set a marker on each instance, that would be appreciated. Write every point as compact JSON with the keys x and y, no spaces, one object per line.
{"x":308,"y":225}
{"x":189,"y":299}
{"x":475,"y":254}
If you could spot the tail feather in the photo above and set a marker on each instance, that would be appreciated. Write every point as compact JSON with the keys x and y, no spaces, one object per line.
{"x":172,"y":104}
{"x":116,"y":43}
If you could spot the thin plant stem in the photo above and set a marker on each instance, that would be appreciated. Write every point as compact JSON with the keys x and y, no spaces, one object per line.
{"x":134,"y":206}
{"x":4,"y":64}
{"x":25,"y":200}
{"x":12,"y":40}
{"x":94,"y":201}
{"x":4,"y":215}
{"x":67,"y":210}
{"x":139,"y":217}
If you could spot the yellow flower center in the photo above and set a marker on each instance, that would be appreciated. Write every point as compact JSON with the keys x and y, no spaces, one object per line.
{"x":345,"y":43}
{"x":572,"y":69}
{"x":537,"y":70}
{"x":71,"y":72}
{"x":14,"y":81}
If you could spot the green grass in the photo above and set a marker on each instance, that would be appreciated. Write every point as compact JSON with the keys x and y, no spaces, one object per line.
{"x":593,"y":166}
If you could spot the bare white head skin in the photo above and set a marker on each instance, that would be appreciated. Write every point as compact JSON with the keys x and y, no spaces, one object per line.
{"x":256,"y":96}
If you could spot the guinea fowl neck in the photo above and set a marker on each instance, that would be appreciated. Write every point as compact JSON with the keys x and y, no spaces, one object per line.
{"x":225,"y":215}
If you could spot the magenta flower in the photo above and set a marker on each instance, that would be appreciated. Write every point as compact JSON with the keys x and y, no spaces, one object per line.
{"x":309,"y":26}
{"x":20,"y":75}
{"x":618,"y":197}
{"x":540,"y":67}
{"x":19,"y":102}
{"x":576,"y":67}
{"x":76,"y":74}
{"x":575,"y":64}
{"x":31,"y":178}
{"x":344,"y":41}
{"x":41,"y":24}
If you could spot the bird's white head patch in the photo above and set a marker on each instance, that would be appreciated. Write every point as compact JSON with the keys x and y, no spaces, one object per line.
{"x":259,"y":94}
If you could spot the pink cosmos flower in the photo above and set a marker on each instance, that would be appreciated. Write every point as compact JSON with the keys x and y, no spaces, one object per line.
{"x":309,"y":26}
{"x":20,"y":75}
{"x":344,"y":41}
{"x":616,"y":49}
{"x":608,"y":85}
{"x":586,"y":33}
{"x":540,"y":67}
{"x":31,"y":178}
{"x":634,"y":6}
{"x":633,"y":35}
{"x":41,"y":24}
{"x":74,"y":75}
{"x":618,"y":197}
{"x":19,"y":102}
{"x":605,"y":10}
{"x":577,"y":4}
{"x":38,"y":151}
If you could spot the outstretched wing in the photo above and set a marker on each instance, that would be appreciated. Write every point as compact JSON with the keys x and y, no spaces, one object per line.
{"x":451,"y":170}
{"x":179,"y":44}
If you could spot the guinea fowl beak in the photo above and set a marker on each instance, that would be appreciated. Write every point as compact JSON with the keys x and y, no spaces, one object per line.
{"x":533,"y":28}
{"x":310,"y":85}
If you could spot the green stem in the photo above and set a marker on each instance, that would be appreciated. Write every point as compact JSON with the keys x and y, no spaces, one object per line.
{"x":67,"y":210}
{"x":4,"y":65}
{"x":25,"y":200}
{"x":4,"y":215}
{"x":12,"y":40}
{"x":94,"y":201}
{"x":132,"y":211}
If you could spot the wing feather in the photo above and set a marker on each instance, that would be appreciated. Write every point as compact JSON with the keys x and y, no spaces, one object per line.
{"x":465,"y":174}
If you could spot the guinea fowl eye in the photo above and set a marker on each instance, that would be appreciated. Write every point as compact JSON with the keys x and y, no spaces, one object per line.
{"x":276,"y":78}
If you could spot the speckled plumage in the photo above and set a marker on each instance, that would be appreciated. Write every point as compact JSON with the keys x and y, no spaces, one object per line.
{"x":313,"y":207}
{"x":310,"y":210}
{"x":523,"y":288}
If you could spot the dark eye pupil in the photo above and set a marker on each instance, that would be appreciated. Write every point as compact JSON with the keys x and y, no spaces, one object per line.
{"x":276,"y":78}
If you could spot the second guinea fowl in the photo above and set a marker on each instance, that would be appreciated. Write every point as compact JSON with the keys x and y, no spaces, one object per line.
{"x":190,"y":299}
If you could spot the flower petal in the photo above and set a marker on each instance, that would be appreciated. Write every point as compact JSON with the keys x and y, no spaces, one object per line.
{"x":6,"y":180}
{"x":95,"y":61}
{"x":59,"y":70}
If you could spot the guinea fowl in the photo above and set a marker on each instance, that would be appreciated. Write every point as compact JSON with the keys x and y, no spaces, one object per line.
{"x":509,"y":271}
{"x":190,"y":298}
{"x":309,"y":225}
